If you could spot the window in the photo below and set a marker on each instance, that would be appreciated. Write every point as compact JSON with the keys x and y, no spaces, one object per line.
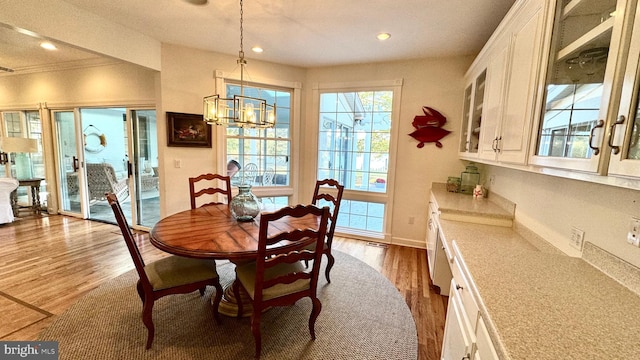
{"x":353,"y":146}
{"x":354,"y":141}
{"x":263,"y":154}
{"x":25,"y":124}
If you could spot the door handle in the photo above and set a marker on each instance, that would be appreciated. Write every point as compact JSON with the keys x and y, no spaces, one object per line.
{"x":612,"y":131}
{"x":596,"y":150}
{"x":76,"y":164}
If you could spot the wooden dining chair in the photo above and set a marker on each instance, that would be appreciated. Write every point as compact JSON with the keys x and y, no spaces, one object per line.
{"x":278,"y":277}
{"x":211,"y":190}
{"x":170,"y":275}
{"x":328,"y":192}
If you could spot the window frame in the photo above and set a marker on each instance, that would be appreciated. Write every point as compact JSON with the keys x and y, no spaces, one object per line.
{"x":221,"y":79}
{"x":386,"y":198}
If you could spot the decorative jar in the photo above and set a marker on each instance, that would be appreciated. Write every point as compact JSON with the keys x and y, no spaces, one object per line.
{"x":469,"y":178}
{"x":245,"y":206}
{"x":453,"y":184}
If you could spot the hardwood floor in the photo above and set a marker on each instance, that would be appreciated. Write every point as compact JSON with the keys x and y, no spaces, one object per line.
{"x":48,"y":262}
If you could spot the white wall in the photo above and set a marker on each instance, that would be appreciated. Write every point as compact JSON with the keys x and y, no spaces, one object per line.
{"x":550,"y":206}
{"x":61,"y":21}
{"x":437,"y":83}
{"x":113,"y":84}
{"x":187,"y":76}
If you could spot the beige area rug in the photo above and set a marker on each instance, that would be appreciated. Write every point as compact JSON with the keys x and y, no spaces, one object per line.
{"x":363,"y":317}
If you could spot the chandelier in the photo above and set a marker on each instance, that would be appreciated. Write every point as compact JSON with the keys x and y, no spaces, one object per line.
{"x":240,"y":110}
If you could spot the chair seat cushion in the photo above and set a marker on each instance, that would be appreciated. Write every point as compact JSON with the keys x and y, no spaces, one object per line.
{"x":177,"y":270}
{"x":246,"y":274}
{"x":312,"y":247}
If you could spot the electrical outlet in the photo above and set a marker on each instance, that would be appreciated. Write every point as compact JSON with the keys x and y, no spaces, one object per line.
{"x":411,"y":220}
{"x":577,"y":238}
{"x":633,"y":236}
{"x":492,"y":180}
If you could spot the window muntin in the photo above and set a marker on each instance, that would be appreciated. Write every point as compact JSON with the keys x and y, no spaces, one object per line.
{"x":354,"y":141}
{"x":354,"y":138}
{"x":269,"y":149}
{"x":361,"y":215}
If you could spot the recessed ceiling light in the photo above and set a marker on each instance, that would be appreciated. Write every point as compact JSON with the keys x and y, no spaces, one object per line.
{"x":48,"y":46}
{"x":257,"y":49}
{"x":383,"y":36}
{"x":197,"y":2}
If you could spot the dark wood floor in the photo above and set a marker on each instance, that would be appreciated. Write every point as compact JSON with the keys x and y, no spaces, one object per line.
{"x":48,"y":262}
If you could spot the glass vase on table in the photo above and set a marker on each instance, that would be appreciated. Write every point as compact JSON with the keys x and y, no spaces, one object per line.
{"x":245,"y":206}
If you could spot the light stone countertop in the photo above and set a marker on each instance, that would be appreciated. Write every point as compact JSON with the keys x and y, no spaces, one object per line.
{"x":455,"y":206}
{"x":543,"y":305}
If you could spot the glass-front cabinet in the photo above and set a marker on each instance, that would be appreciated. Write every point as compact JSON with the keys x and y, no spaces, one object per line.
{"x":583,"y":83}
{"x":624,"y":135}
{"x":499,"y":111}
{"x":472,"y":115}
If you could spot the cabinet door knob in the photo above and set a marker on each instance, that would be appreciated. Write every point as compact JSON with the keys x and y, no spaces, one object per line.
{"x":612,"y":132}
{"x":596,"y":150}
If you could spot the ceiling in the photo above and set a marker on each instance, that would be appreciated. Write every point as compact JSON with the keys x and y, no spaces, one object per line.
{"x":301,"y":33}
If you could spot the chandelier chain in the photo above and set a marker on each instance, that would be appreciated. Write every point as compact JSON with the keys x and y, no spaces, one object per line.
{"x":241,"y":31}
{"x":239,"y":110}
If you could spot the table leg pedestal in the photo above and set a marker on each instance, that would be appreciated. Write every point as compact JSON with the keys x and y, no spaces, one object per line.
{"x":229,"y":303}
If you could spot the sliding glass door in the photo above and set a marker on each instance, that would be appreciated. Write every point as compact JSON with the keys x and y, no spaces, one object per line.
{"x":104,"y":150}
{"x":70,"y":175}
{"x":147,"y":181}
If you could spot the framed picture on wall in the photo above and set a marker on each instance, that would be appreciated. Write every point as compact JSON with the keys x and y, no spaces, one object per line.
{"x":187,"y":130}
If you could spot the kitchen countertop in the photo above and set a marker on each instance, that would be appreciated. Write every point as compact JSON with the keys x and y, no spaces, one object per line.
{"x":542,"y":304}
{"x":455,"y":206}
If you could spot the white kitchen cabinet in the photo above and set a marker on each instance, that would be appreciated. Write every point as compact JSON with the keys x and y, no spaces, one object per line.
{"x":463,"y":287}
{"x":439,"y":269}
{"x":462,"y":314}
{"x":587,"y":44}
{"x":465,"y":335}
{"x":432,"y":236}
{"x":624,"y":133}
{"x":511,"y":85}
{"x":473,"y":112}
{"x":442,"y":267}
{"x":484,"y":347}
{"x":496,"y":72}
{"x":459,"y":338}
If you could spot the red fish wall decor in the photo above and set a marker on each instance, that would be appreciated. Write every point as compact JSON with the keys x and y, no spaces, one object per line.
{"x":429,"y":127}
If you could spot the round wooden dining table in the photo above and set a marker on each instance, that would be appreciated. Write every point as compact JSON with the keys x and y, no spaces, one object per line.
{"x":211,"y":232}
